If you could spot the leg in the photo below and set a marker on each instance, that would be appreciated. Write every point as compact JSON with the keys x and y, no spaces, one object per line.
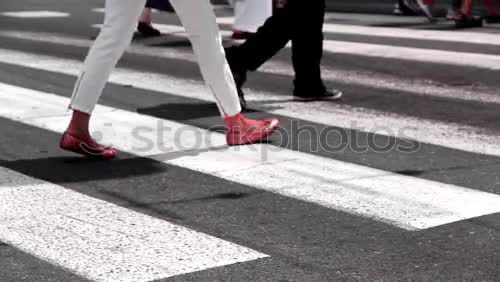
{"x":466,"y":8}
{"x":113,"y":40}
{"x":259,"y":47}
{"x":491,"y":7}
{"x":426,"y":7}
{"x":456,"y":4}
{"x":307,"y":44}
{"x":146,"y":16}
{"x":264,"y":44}
{"x":116,"y":33}
{"x":199,"y":20}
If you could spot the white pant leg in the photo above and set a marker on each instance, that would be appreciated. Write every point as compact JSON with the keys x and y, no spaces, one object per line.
{"x":119,"y":24}
{"x":251,"y":14}
{"x":199,"y":20}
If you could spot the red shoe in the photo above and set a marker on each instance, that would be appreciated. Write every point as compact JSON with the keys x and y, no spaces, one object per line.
{"x":88,"y":148}
{"x":242,"y":131}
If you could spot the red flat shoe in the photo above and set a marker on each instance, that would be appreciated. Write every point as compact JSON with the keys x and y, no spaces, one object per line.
{"x":242,"y":131}
{"x":88,"y":148}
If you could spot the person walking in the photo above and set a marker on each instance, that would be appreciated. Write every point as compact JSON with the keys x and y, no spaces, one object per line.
{"x":294,"y":20}
{"x":116,"y":34}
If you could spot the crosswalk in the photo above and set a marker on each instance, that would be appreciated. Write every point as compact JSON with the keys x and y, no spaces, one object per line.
{"x":35,"y":14}
{"x":113,"y":243}
{"x":101,"y":239}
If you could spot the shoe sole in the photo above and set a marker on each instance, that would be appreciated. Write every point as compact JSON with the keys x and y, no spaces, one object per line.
{"x":328,"y":98}
{"x":80,"y":150}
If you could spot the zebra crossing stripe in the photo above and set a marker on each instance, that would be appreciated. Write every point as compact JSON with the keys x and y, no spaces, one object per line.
{"x":101,"y":241}
{"x":406,"y":202}
{"x":35,"y":14}
{"x":403,"y":33}
{"x":466,"y":59}
{"x":329,"y":73}
{"x":173,"y":30}
{"x":484,"y":61}
{"x":449,"y":135}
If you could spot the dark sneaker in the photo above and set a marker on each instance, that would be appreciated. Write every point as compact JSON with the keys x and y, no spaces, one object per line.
{"x":329,"y":94}
{"x":468,"y":22}
{"x":147,"y":30}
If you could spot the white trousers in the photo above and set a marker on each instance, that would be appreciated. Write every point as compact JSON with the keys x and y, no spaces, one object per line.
{"x":120,"y":21}
{"x":251,"y":14}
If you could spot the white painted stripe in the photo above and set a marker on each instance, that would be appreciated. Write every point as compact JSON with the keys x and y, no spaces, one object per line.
{"x":176,"y":30}
{"x":405,"y":33}
{"x":491,"y":62}
{"x":445,"y":134}
{"x":402,"y":33}
{"x":485,"y":61}
{"x":35,"y":14}
{"x":99,"y":240}
{"x":98,"y":10}
{"x":102,"y":10}
{"x":379,"y":81}
{"x":407,"y":202}
{"x":362,"y":19}
{"x":215,"y":6}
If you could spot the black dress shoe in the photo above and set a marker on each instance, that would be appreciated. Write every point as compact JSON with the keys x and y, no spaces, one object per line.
{"x":147,"y":30}
{"x":329,"y":94}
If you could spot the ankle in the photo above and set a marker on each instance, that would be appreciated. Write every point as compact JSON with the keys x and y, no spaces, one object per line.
{"x":79,"y":125}
{"x":233,"y":118}
{"x":79,"y":134}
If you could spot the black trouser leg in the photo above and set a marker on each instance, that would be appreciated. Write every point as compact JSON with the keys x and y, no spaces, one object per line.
{"x":302,"y":22}
{"x":264,"y":44}
{"x":307,"y":44}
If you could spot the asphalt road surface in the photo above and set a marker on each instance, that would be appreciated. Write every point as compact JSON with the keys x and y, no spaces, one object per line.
{"x":397,"y":181}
